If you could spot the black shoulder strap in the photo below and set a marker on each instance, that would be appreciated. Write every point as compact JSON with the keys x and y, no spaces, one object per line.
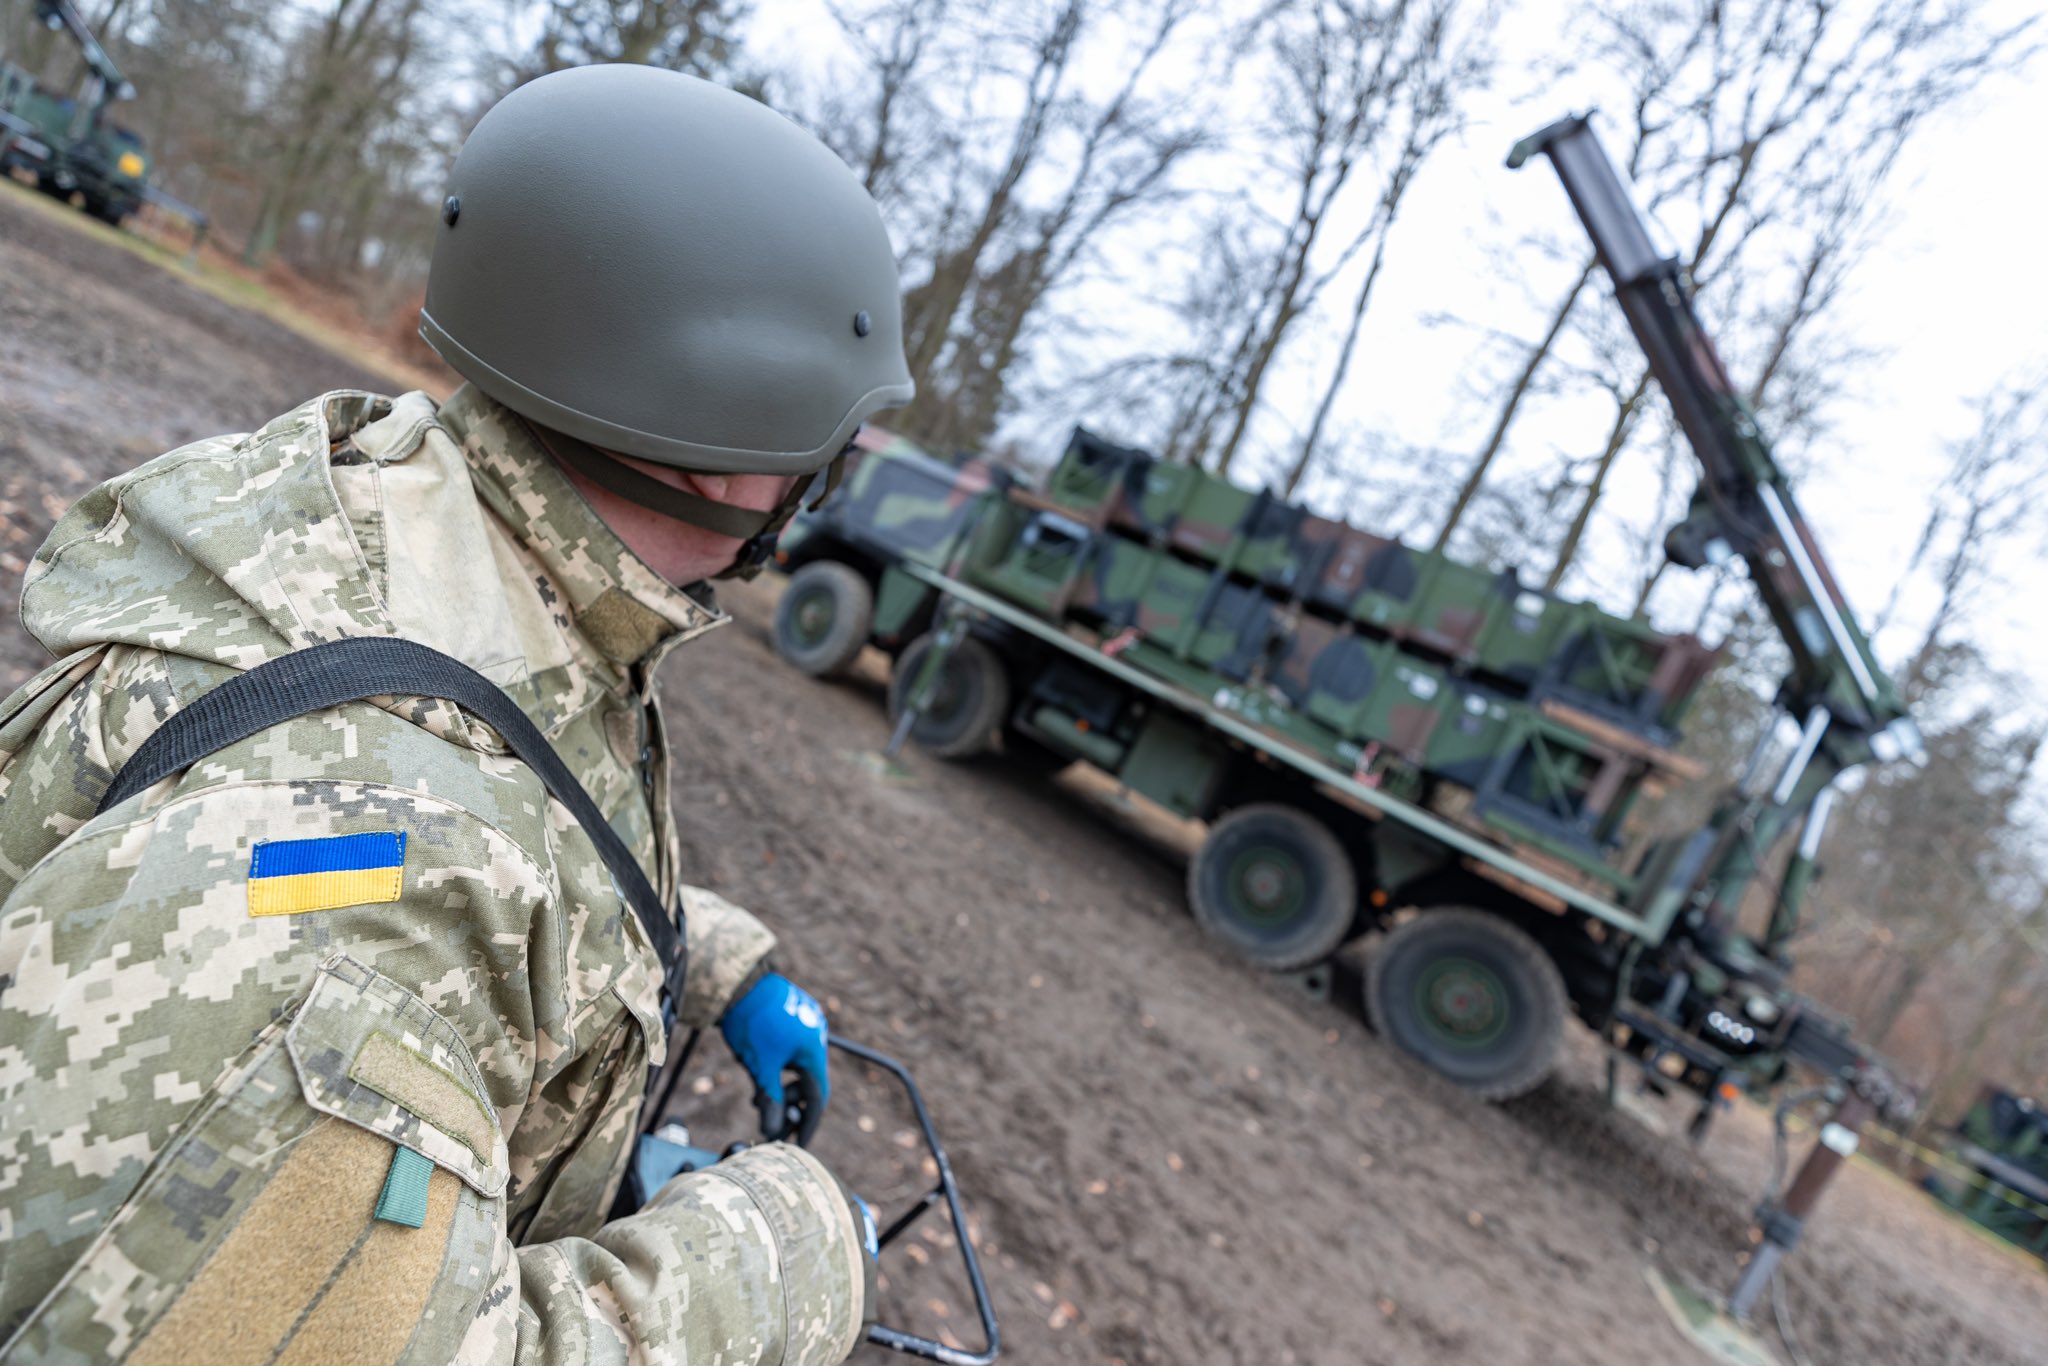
{"x":323,"y":676}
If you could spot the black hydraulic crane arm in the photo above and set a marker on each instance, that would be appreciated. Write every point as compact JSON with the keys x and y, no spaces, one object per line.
{"x":62,"y":14}
{"x":1744,"y":505}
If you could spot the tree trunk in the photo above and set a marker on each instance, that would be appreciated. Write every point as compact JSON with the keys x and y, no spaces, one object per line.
{"x":1262,"y":356}
{"x":1912,"y":973}
{"x":1617,"y":437}
{"x":1649,"y":586}
{"x":1509,"y":406}
{"x":930,"y":308}
{"x":269,"y":218}
{"x":1322,"y":417}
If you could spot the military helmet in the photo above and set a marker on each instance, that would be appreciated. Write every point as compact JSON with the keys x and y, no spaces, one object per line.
{"x":664,"y":268}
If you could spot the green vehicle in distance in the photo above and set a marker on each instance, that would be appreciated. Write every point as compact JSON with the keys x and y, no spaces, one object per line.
{"x":1382,"y":739}
{"x":69,"y":143}
{"x":2003,"y":1142}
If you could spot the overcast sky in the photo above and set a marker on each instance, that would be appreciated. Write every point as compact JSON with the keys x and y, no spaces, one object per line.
{"x":1953,"y":301}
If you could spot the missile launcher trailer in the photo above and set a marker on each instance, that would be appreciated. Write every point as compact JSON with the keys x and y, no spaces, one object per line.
{"x":1386,"y":739}
{"x":1403,"y":667}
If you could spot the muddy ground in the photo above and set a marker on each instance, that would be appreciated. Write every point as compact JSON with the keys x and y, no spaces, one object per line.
{"x":1167,"y":1158}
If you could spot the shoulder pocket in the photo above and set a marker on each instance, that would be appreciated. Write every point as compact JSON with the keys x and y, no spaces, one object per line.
{"x":335,"y":1194}
{"x":372,"y":1053}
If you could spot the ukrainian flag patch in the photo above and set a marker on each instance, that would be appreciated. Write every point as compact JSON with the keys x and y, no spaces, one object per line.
{"x":290,"y":876}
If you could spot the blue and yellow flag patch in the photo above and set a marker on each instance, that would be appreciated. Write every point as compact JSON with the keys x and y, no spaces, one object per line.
{"x":289,"y":876}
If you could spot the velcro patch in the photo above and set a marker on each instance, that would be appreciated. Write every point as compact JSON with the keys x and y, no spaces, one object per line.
{"x":399,"y":1074}
{"x":290,"y":876}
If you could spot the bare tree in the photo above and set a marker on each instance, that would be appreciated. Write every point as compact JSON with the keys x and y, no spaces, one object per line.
{"x":348,"y":59}
{"x":1775,"y":126}
{"x":1127,"y":147}
{"x":1626,"y":406}
{"x":1342,"y":71}
{"x":1364,"y":93}
{"x":1939,"y":853}
{"x":896,"y":42}
{"x":1655,"y":47}
{"x":930,"y":306}
{"x":1990,"y":495}
{"x":697,"y":36}
{"x":1447,"y":66}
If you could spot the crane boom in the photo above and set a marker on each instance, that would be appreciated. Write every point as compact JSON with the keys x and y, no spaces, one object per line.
{"x":1744,"y":506}
{"x":62,"y":14}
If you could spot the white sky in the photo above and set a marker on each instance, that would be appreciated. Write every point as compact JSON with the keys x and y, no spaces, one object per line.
{"x":1953,"y":299}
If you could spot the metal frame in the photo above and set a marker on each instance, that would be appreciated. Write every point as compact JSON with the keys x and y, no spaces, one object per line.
{"x":945,"y":1190}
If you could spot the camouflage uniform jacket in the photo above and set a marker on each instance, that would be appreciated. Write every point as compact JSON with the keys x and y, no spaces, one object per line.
{"x":362,"y":1115}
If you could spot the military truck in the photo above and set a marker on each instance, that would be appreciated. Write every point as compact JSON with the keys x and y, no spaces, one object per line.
{"x":68,"y":142}
{"x":2002,"y":1140}
{"x":1384,"y":739}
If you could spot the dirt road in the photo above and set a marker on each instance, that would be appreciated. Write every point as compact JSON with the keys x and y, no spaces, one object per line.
{"x":106,"y":360}
{"x":1168,"y":1158}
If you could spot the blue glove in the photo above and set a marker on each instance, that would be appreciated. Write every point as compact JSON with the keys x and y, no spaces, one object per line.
{"x":779,"y":1027}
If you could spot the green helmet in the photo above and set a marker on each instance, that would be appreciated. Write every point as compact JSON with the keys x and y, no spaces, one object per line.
{"x":655,"y":265}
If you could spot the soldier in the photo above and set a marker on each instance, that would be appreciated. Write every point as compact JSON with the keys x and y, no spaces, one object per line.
{"x":332,"y":1046}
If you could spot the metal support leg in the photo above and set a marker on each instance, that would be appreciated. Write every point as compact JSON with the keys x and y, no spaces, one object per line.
{"x":1756,"y":1278}
{"x":1785,"y":1219}
{"x":924,"y":688}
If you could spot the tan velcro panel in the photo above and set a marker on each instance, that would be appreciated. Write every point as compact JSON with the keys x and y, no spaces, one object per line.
{"x":419,"y":1087}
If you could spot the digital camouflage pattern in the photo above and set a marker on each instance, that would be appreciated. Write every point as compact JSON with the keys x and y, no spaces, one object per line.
{"x":199,"y":1108}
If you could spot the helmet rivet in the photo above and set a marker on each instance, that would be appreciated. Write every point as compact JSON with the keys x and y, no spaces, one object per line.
{"x":450,"y":208}
{"x":862,"y":323}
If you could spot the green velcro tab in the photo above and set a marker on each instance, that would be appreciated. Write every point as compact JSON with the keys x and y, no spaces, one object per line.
{"x":404,"y":1199}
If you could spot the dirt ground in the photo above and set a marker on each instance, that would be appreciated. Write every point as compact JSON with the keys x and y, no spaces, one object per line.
{"x":1166,"y":1157}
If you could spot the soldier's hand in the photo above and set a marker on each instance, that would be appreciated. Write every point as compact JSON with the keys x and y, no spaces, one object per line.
{"x":778,"y":1028}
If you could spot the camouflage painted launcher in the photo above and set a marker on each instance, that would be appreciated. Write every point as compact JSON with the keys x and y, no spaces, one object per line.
{"x":1361,"y":647}
{"x":1486,"y":625}
{"x":897,"y":501}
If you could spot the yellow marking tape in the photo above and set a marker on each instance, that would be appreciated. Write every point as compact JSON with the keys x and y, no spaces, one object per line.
{"x":1941,"y":1162}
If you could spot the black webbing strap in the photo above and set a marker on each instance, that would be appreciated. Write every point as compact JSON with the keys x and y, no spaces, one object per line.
{"x":323,"y":676}
{"x":644,"y":489}
{"x":756,"y":530}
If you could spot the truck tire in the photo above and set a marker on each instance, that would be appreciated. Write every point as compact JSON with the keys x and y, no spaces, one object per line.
{"x":823,"y":619}
{"x":973,"y":698}
{"x":1274,"y":884}
{"x":1473,"y":996}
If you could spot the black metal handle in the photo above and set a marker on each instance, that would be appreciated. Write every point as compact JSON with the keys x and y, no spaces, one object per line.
{"x":945,"y":1190}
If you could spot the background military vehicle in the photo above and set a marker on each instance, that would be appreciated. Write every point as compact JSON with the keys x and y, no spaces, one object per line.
{"x":69,"y":142}
{"x":2002,"y":1140}
{"x":1381,"y":738}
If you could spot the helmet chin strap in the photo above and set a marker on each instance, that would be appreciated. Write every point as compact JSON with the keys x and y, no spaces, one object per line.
{"x":756,"y":530}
